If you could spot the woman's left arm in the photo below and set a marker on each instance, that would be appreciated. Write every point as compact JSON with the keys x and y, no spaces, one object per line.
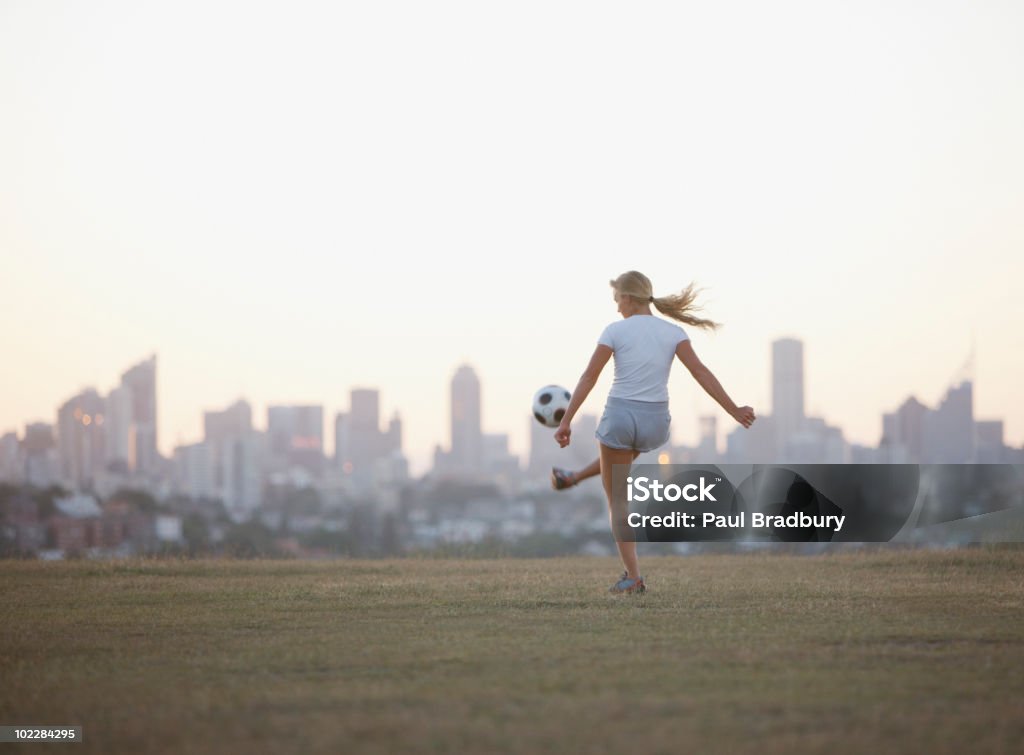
{"x":586,"y":383}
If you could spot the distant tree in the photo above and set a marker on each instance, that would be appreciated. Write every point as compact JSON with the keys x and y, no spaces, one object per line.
{"x":196,"y":534}
{"x":140,"y":499}
{"x":45,"y":499}
{"x":390,"y":540}
{"x":250,"y":539}
{"x":335,"y":542}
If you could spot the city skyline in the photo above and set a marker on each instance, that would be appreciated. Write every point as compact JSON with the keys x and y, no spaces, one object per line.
{"x":465,"y":432}
{"x":378,"y":202}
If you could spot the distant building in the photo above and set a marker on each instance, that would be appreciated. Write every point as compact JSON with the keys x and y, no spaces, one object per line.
{"x":243,"y":461}
{"x":120,"y":430}
{"x":903,"y":433}
{"x":366,"y":457}
{"x":757,"y":444}
{"x":707,"y":446}
{"x":140,"y":380}
{"x":466,"y":428}
{"x":498,"y":462}
{"x":81,"y":439}
{"x":221,"y":428}
{"x":10,"y":458}
{"x":787,"y":387}
{"x":343,"y":443}
{"x":39,"y":450}
{"x":195,"y":470}
{"x":227,"y":423}
{"x":989,"y":447}
{"x":295,"y":439}
{"x":948,"y":436}
{"x":365,"y":442}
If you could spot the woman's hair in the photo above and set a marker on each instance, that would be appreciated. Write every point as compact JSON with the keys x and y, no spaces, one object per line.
{"x":677,"y":306}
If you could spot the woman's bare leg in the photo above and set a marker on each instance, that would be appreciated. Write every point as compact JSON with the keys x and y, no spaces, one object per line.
{"x":618,"y":506}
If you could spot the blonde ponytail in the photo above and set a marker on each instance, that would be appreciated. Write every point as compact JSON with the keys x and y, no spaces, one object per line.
{"x":681,"y":306}
{"x":678,"y":307}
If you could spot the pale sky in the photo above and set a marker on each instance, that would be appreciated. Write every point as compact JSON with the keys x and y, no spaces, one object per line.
{"x":286,"y":201}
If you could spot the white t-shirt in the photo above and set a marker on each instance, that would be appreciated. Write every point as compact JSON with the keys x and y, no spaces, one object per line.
{"x":644,"y":347}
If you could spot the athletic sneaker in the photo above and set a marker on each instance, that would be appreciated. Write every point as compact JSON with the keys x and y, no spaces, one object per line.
{"x":562,"y":478}
{"x":627,"y":585}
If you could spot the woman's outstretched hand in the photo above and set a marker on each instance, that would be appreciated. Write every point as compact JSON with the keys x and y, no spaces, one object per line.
{"x":562,"y":435}
{"x":744,"y":415}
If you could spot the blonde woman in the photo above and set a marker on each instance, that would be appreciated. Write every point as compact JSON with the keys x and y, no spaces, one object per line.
{"x":636,"y":415}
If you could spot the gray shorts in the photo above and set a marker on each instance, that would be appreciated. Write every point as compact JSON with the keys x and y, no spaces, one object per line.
{"x":636,"y":425}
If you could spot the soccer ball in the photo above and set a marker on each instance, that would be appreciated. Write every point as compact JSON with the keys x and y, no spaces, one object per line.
{"x":549,"y":404}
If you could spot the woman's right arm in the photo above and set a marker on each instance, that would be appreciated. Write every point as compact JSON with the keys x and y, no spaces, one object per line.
{"x":586,"y":382}
{"x":742,"y":414}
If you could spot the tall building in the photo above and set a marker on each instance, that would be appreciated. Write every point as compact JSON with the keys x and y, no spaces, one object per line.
{"x":221,"y":428}
{"x":497,"y":460}
{"x":903,"y":433}
{"x":366,"y":443}
{"x":366,"y":456}
{"x":295,"y":439}
{"x":757,"y":444}
{"x":949,"y":429}
{"x":81,"y":439}
{"x":228,"y":423}
{"x":10,"y":458}
{"x":244,"y":463}
{"x":40,"y":453}
{"x":989,"y":447}
{"x":393,"y":436}
{"x":195,"y":472}
{"x":707,"y":448}
{"x":343,"y":443}
{"x":787,"y":387}
{"x":141,"y":381}
{"x":120,"y":430}
{"x":466,"y":430}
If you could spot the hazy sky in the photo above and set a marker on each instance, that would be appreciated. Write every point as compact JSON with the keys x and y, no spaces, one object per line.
{"x":286,"y":201}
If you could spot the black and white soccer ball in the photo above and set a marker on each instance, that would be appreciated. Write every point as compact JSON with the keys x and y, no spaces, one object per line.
{"x":549,"y":405}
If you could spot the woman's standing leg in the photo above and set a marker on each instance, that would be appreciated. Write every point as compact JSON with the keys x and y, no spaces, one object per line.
{"x":618,"y":506}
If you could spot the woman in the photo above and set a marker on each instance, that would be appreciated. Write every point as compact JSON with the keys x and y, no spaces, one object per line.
{"x":636,"y":416}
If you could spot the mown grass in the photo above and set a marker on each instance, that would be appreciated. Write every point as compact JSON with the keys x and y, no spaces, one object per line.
{"x":888,"y":651}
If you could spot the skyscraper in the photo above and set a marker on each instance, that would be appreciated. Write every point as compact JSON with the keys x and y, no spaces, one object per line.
{"x":243,"y":473}
{"x":787,"y":387}
{"x":141,"y":381}
{"x":228,"y":423}
{"x":903,"y":432}
{"x":707,"y":447}
{"x":222,"y":428}
{"x":364,"y":454}
{"x":366,"y":428}
{"x":195,"y":471}
{"x":467,"y":435}
{"x":393,"y":437}
{"x":119,"y":431}
{"x":295,"y":438}
{"x":948,"y":436}
{"x":343,"y":442}
{"x":81,"y":439}
{"x":10,"y":456}
{"x":40,"y":453}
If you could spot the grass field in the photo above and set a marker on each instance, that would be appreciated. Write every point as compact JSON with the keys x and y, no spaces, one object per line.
{"x":888,"y":651}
